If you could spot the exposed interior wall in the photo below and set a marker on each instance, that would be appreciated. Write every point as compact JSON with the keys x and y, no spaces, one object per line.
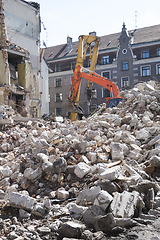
{"x":4,"y":74}
{"x":24,"y":75}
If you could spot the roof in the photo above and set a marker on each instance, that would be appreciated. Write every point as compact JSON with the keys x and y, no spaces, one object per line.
{"x":107,"y":42}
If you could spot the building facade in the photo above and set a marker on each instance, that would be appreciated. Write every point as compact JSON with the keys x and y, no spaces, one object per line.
{"x":125,"y":58}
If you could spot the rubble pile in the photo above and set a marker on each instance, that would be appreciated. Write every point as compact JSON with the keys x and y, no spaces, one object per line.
{"x":97,"y":178}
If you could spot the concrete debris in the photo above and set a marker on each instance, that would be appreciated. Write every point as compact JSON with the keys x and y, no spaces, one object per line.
{"x":88,"y":179}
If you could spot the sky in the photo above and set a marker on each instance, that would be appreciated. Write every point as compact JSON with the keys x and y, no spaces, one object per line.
{"x":62,"y":18}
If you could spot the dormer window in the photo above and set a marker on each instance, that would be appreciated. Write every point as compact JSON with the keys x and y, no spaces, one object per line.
{"x":105,"y":60}
{"x":145,"y":54}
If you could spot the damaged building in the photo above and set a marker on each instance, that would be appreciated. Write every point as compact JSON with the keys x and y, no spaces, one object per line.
{"x":20,"y":69}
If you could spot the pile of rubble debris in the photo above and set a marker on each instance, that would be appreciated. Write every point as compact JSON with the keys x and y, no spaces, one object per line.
{"x":97,"y":178}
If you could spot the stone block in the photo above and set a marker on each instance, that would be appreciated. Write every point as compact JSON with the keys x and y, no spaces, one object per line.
{"x":111,"y":173}
{"x":21,"y":201}
{"x":88,"y":195}
{"x":82,"y":169}
{"x":71,"y":229}
{"x":124,"y":204}
{"x":104,"y":223}
{"x":116,"y":151}
{"x":103,"y":199}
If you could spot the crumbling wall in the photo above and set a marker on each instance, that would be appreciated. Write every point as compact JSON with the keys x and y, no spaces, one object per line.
{"x":4,"y":66}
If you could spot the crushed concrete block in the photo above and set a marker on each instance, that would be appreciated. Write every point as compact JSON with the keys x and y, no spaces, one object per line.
{"x":5,"y":183}
{"x":104,"y":223}
{"x":154,"y":140}
{"x":81,"y":146}
{"x":126,"y":119}
{"x":142,"y":134}
{"x":84,"y":159}
{"x":91,"y":213}
{"x":38,"y":210}
{"x":24,"y":214}
{"x":21,"y":201}
{"x":41,"y":157}
{"x":47,"y":167}
{"x":155,"y":161}
{"x":36,"y":174}
{"x":116,"y":151}
{"x":88,"y":195}
{"x":41,"y":143}
{"x":103,"y":199}
{"x":82,"y":169}
{"x":104,"y":124}
{"x":128,"y":138}
{"x":92,"y":157}
{"x":71,"y":229}
{"x":125,"y":222}
{"x":111,"y":173}
{"x":77,"y":209}
{"x":62,"y":194}
{"x":148,"y":87}
{"x":124,"y":204}
{"x":59,"y":165}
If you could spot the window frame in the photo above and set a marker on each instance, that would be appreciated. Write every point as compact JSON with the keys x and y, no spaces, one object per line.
{"x":55,"y":82}
{"x":145,"y":54}
{"x":56,"y":112}
{"x":158,"y":52}
{"x":104,"y":95}
{"x":158,"y":69}
{"x":57,"y":67}
{"x":60,"y":97}
{"x":109,"y":73}
{"x":122,"y":78}
{"x":105,"y":60}
{"x":125,"y":65}
{"x":145,"y":66}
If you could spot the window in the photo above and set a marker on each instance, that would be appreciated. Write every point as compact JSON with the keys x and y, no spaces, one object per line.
{"x":58,"y":68}
{"x":124,"y":65}
{"x":125,"y":82}
{"x":58,"y":82}
{"x":105,"y":60}
{"x":158,"y":69}
{"x":106,"y":74}
{"x":94,"y":93}
{"x":58,"y":111}
{"x":158,"y":51}
{"x":106,"y":93}
{"x":92,"y":108}
{"x":73,"y":64}
{"x":145,"y":71}
{"x":145,"y":54}
{"x":58,"y":97}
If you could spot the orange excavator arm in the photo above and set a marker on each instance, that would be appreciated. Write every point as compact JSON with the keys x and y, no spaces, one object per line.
{"x":93,"y":77}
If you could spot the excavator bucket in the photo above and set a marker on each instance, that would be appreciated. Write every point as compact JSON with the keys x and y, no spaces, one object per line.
{"x":73,"y":108}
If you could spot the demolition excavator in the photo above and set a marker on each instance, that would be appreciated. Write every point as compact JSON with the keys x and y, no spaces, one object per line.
{"x":73,"y":107}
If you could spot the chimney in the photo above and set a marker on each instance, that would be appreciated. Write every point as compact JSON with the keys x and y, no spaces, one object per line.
{"x":69,"y":44}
